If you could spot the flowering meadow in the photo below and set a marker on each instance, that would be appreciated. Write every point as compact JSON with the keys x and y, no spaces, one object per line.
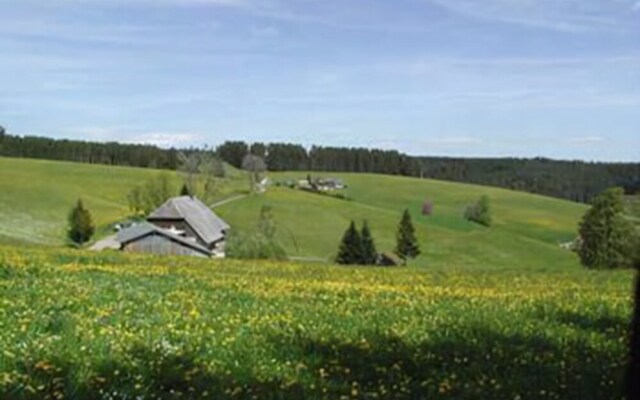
{"x":112,"y":326}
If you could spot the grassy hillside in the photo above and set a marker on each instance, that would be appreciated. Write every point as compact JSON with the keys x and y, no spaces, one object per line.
{"x":526,"y":232}
{"x":87,"y":325}
{"x":35,"y":197}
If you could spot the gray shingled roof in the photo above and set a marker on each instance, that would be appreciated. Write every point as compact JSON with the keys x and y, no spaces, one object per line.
{"x":143,"y":229}
{"x":205,"y":222}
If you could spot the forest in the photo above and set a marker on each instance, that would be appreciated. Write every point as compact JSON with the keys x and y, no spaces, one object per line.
{"x":571,"y":180}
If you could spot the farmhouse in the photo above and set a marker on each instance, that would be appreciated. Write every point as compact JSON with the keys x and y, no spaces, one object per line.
{"x":181,"y":226}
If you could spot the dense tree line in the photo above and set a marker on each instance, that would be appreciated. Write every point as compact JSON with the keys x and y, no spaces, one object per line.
{"x":572,"y":180}
{"x":111,"y":153}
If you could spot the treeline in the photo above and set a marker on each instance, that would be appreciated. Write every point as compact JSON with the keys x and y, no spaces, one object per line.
{"x":110,"y":153}
{"x":572,"y":180}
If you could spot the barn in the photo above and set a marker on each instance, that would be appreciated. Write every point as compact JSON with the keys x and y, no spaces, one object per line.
{"x":148,"y":238}
{"x":181,"y":226}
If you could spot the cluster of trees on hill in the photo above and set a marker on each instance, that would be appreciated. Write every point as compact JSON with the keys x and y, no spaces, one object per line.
{"x":358,"y":247}
{"x":572,"y":180}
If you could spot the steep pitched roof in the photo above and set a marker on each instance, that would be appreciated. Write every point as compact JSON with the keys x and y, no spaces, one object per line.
{"x":205,"y":222}
{"x":143,"y":229}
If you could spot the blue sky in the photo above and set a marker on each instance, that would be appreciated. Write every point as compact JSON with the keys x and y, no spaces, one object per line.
{"x":554,"y":78}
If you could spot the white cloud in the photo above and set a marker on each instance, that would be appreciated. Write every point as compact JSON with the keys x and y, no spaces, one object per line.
{"x":125,"y":134}
{"x":585,"y":140}
{"x":453,"y":140}
{"x":168,"y":139}
{"x":566,"y":16}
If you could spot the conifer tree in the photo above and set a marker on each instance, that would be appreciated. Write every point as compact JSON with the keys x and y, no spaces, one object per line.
{"x":81,"y":226}
{"x":406,"y":242}
{"x":369,"y":253}
{"x":606,"y":236}
{"x":184,"y":191}
{"x":350,"y":251}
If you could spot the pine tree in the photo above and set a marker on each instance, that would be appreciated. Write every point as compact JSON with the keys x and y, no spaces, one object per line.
{"x":81,"y":226}
{"x":184,"y":191}
{"x":406,"y":242}
{"x":350,"y":251}
{"x":369,"y":253}
{"x":605,"y":234}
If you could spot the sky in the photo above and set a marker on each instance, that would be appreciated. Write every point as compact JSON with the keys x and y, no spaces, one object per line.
{"x":490,"y":78}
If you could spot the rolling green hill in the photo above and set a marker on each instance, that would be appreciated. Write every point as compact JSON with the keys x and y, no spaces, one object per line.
{"x":500,"y":312}
{"x":36,"y":195}
{"x":526,"y":231}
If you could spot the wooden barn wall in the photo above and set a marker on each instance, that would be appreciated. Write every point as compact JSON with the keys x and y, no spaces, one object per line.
{"x":160,"y":245}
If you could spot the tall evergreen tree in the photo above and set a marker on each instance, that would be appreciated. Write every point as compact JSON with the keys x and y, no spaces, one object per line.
{"x":350,"y":251}
{"x":81,"y":226}
{"x":406,"y":242}
{"x":369,"y":253}
{"x":605,"y":234}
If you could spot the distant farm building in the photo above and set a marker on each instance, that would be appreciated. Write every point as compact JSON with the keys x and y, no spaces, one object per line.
{"x":181,"y":226}
{"x":322,"y":184}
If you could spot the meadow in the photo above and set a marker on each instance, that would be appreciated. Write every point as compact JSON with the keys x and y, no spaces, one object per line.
{"x":501,"y":312}
{"x":75,"y":324}
{"x":36,"y":196}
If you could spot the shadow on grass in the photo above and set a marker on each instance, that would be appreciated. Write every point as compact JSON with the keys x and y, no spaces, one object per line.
{"x":610,"y":325}
{"x":480,"y":365}
{"x":483,"y":365}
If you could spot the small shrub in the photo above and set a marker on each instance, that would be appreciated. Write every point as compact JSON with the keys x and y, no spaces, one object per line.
{"x":427,"y":208}
{"x":253,"y":246}
{"x":479,"y":212}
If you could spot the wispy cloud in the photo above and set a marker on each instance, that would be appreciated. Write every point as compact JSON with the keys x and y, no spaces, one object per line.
{"x":126,"y":134}
{"x":585,"y":140}
{"x":567,"y":16}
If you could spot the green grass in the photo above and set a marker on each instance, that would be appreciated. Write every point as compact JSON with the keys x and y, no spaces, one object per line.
{"x":526,"y":232}
{"x":84,"y":325}
{"x":498,"y":312}
{"x":36,"y":196}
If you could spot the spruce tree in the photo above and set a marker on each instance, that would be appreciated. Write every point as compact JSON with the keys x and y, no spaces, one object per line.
{"x":406,"y":242}
{"x":184,"y":191}
{"x":369,"y":253}
{"x":350,"y":251}
{"x":81,"y":226}
{"x":606,"y":236}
